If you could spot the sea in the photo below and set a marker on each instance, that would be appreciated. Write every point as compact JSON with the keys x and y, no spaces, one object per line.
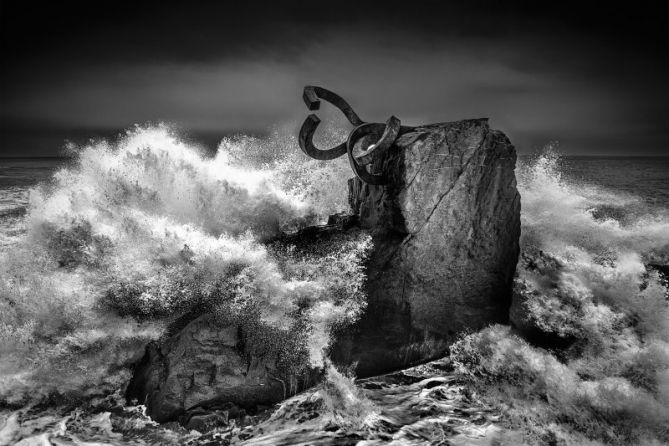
{"x":106,"y":211}
{"x":643,"y":178}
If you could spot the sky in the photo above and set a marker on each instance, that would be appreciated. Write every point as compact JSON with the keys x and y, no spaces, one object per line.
{"x":591,"y":76}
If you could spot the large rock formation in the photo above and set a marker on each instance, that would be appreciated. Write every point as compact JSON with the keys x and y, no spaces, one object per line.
{"x":445,"y":232}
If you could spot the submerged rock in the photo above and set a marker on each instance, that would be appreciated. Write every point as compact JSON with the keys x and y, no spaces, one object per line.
{"x":445,"y":233}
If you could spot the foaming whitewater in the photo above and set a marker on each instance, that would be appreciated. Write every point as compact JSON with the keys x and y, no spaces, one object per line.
{"x":138,"y":231}
{"x":561,"y":214}
{"x":592,"y":297}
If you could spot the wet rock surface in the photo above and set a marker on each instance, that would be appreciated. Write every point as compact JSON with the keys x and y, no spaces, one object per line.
{"x":445,"y":233}
{"x":421,"y":405}
{"x":203,"y":365}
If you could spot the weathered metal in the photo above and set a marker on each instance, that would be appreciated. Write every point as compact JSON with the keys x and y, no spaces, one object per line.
{"x":386,"y":135}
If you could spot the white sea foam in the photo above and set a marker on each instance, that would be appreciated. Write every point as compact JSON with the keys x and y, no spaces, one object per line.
{"x":590,"y":286}
{"x":560,"y":213}
{"x":136,"y":231}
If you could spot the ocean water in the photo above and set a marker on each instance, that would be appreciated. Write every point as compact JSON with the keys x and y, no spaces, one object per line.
{"x":129,"y":211}
{"x":17,"y":177}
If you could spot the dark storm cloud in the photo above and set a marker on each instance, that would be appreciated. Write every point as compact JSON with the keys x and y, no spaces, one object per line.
{"x":592,"y":78}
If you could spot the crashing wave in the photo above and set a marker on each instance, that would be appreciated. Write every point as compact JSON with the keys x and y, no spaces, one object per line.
{"x":137,"y":233}
{"x":586,"y":293}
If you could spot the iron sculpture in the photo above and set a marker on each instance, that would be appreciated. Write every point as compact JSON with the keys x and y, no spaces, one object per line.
{"x":386,"y":135}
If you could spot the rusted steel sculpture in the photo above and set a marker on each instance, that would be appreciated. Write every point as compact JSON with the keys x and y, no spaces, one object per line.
{"x":386,"y":134}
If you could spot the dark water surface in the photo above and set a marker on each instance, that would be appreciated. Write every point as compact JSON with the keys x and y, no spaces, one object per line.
{"x":17,"y":177}
{"x":647,"y":177}
{"x":27,"y":171}
{"x":643,"y":177}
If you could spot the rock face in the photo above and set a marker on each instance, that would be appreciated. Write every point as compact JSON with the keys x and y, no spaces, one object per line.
{"x":202,"y":365}
{"x":445,"y":234}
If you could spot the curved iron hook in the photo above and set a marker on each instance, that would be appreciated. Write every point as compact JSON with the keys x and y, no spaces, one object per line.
{"x":360,"y":170}
{"x":307,"y":144}
{"x":390,"y":133}
{"x":311,"y":97}
{"x":386,"y":135}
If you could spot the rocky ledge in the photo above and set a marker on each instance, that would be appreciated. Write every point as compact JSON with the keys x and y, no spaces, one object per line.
{"x":445,"y":234}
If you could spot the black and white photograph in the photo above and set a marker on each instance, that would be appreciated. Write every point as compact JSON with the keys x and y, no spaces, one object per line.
{"x":323,"y":222}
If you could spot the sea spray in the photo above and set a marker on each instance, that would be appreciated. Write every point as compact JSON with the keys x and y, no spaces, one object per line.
{"x":561,"y":213}
{"x":345,"y":404}
{"x":322,"y":184}
{"x":78,"y":295}
{"x":138,"y":232}
{"x":584,"y":285}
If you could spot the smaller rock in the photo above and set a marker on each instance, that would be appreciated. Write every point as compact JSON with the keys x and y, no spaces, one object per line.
{"x":343,"y":220}
{"x":206,"y":421}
